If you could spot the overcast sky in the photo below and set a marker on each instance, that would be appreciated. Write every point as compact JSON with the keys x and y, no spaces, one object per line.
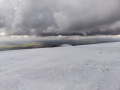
{"x":59,"y":17}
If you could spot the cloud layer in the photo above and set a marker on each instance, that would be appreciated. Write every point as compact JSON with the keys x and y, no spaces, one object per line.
{"x":60,"y":17}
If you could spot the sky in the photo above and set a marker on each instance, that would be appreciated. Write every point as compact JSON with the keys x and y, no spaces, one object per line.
{"x":59,"y":17}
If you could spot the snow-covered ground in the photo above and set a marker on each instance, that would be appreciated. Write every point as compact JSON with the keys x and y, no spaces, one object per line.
{"x":86,"y":67}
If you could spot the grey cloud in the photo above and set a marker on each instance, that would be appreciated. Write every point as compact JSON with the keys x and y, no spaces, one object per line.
{"x":97,"y":31}
{"x":59,"y":17}
{"x":2,"y":20}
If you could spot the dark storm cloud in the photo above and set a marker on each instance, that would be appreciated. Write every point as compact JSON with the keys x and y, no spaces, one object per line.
{"x":106,"y":32}
{"x":59,"y":17}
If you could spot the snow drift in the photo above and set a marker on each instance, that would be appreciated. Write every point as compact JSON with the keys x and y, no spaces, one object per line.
{"x":86,"y":67}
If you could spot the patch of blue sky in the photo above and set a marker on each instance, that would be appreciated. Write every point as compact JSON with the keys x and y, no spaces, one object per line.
{"x":42,"y":2}
{"x":18,"y":4}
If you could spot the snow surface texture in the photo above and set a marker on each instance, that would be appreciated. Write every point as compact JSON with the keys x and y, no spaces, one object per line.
{"x":86,"y":67}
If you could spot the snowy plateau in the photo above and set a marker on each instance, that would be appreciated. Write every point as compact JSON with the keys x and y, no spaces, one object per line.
{"x":84,"y":67}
